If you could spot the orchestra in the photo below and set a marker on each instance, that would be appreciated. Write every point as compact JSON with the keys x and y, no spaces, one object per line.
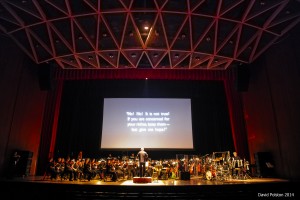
{"x":216,"y":166}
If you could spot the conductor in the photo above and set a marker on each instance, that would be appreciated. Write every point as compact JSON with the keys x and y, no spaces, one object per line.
{"x":142,"y":157}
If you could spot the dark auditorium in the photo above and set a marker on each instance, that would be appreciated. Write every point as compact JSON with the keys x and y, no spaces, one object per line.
{"x":149,"y":99}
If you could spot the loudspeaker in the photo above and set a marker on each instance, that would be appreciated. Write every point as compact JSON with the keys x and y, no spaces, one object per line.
{"x":184,"y":176}
{"x":265,"y":166}
{"x":45,"y":74}
{"x":242,"y":79}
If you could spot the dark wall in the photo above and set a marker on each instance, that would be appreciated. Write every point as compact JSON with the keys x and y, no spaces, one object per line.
{"x":21,"y":104}
{"x":272,"y":108}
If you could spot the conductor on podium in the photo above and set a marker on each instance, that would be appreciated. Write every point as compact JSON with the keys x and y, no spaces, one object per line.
{"x":142,"y":157}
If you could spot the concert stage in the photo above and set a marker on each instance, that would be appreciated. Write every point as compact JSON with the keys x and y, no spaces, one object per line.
{"x":196,"y":188}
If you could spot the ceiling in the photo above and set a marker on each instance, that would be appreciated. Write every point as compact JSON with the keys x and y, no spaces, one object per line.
{"x":111,"y":34}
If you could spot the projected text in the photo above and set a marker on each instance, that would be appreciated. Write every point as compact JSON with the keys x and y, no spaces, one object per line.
{"x":148,"y":121}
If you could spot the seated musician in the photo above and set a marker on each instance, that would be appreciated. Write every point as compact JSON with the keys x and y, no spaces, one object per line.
{"x":132,"y":157}
{"x":118,"y":165}
{"x":110,"y":170}
{"x":69,"y":170}
{"x":60,"y":167}
{"x":149,"y":169}
{"x":101,"y":168}
{"x":124,"y":169}
{"x":131,"y":168}
{"x":77,"y":170}
{"x":52,"y":169}
{"x":88,"y":169}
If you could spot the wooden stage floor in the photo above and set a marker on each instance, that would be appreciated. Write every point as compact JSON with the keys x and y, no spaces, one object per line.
{"x":35,"y":187}
{"x":170,"y":182}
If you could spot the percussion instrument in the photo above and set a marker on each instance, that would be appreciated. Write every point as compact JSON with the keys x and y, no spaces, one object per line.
{"x":208,"y":175}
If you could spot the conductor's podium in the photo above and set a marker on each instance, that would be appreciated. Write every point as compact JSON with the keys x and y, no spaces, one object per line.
{"x":142,"y":179}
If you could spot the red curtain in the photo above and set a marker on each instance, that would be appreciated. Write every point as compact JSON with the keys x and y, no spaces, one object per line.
{"x":238,"y":127}
{"x":49,"y":126}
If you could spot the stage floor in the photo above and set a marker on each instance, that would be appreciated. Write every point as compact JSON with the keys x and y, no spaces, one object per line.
{"x":36,"y":187}
{"x":170,"y":182}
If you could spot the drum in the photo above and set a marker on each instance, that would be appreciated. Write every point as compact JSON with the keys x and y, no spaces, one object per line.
{"x":208,"y":175}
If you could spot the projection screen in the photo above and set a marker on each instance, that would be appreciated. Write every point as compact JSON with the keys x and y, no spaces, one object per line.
{"x":155,"y":123}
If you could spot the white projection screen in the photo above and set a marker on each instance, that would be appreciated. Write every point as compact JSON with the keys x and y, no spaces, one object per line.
{"x":153,"y":123}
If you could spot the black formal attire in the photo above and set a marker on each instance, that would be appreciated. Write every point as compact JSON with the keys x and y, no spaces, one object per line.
{"x":142,"y":157}
{"x":110,"y":170}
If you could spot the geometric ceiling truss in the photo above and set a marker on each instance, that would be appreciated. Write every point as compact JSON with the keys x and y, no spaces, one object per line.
{"x":158,"y":34}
